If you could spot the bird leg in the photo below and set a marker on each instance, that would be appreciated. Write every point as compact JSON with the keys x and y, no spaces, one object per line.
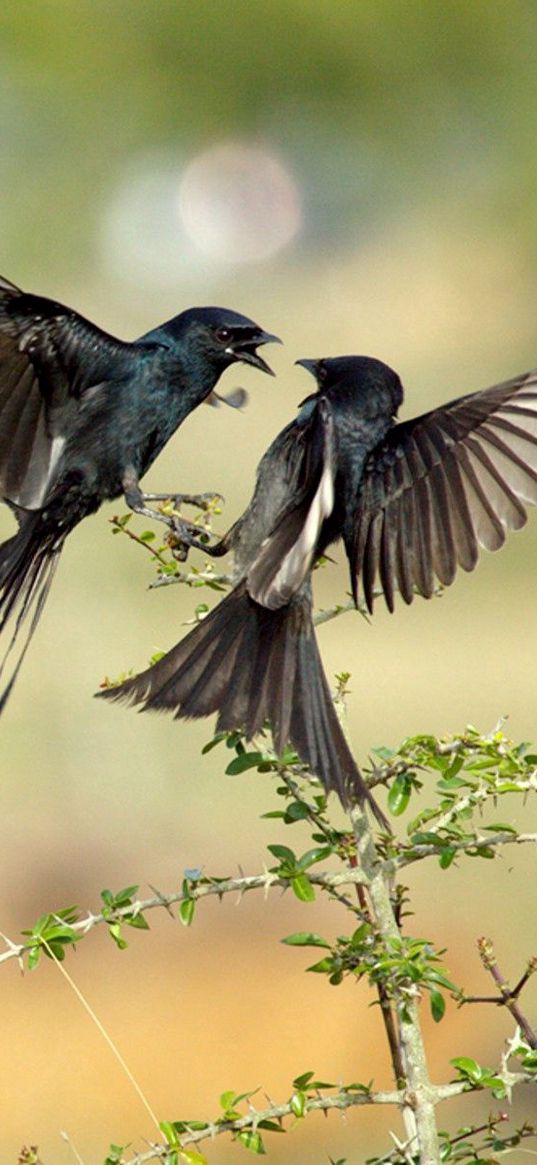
{"x":135,"y":500}
{"x":183,"y":532}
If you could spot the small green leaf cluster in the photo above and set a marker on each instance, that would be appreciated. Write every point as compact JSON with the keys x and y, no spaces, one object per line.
{"x":293,"y":869}
{"x":402,"y":966}
{"x":188,"y":905}
{"x":521,"y":1050}
{"x":51,"y":934}
{"x":114,"y":902}
{"x":115,"y":1155}
{"x":471,"y":770}
{"x":264,"y":762}
{"x":461,"y":1147}
{"x":477,"y":1076}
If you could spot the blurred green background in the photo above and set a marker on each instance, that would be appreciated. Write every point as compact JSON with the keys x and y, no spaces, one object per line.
{"x":358,"y":177}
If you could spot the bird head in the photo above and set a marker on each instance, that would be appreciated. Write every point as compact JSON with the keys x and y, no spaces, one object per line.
{"x":367,"y":384}
{"x":218,"y":336}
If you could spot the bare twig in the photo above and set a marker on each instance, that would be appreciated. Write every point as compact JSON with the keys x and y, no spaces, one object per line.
{"x":508,"y":996}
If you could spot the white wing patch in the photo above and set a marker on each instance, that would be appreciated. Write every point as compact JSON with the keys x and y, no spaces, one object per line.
{"x":280,"y":587}
{"x":298,"y":560}
{"x":56,"y":451}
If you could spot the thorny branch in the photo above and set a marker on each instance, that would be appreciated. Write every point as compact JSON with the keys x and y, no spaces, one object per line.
{"x":265,"y":881}
{"x":239,"y":886}
{"x":277,"y":1112}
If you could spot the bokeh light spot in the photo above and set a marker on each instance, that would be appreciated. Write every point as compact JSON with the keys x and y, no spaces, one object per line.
{"x":239,"y":203}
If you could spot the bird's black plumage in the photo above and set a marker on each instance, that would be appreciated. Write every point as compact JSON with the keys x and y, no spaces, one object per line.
{"x":83,"y":416}
{"x":410,"y":500}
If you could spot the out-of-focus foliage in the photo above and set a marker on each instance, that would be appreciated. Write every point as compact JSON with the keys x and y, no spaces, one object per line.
{"x":377,"y":106}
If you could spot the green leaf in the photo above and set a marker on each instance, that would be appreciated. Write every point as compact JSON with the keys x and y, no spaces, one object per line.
{"x":283,"y":853}
{"x":234,"y":740}
{"x":302,"y":887}
{"x":322,"y":967}
{"x":147,"y":536}
{"x":314,"y":855}
{"x":307,"y":1083}
{"x":482,"y":852}
{"x":114,"y":930}
{"x":297,"y":811}
{"x":33,"y":958}
{"x":438,"y":1005}
{"x":170,"y":1133}
{"x":186,"y":911}
{"x":298,"y":1104}
{"x":115,"y":1152}
{"x":192,"y":1157}
{"x":469,"y":1068}
{"x":399,"y":795}
{"x":122,"y":898}
{"x":302,"y":1081}
{"x":252,"y":1141}
{"x":220,"y":736}
{"x":305,"y":938}
{"x":246,"y":760}
{"x":138,"y":921}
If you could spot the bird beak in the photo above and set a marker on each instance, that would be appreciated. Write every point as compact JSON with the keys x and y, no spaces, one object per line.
{"x":309,"y":365}
{"x":246,"y":351}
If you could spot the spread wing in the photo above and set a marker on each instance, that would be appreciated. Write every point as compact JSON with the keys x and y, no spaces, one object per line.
{"x":287,"y":555}
{"x":49,"y":357}
{"x":442,"y":485}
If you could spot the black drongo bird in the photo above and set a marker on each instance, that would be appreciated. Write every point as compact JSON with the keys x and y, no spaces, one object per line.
{"x":83,"y":416}
{"x":411,"y":501}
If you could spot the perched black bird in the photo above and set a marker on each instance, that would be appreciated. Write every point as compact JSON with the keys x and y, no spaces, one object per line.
{"x":411,"y":501}
{"x":83,"y":416}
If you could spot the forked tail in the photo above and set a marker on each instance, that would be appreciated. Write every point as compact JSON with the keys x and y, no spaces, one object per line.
{"x":250,"y":664}
{"x":27,"y":565}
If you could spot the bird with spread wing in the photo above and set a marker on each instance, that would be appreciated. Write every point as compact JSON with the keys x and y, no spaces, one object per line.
{"x":411,"y":501}
{"x":82,"y":418}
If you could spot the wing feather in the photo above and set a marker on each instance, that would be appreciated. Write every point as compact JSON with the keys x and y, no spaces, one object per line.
{"x":443,"y":485}
{"x":49,"y":357}
{"x":288,"y":553}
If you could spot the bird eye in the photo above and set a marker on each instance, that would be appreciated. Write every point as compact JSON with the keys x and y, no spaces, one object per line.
{"x":223,"y":334}
{"x":322,"y":372}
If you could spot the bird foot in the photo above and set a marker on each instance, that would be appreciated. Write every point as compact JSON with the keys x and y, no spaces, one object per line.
{"x":183,"y":537}
{"x":202,"y":501}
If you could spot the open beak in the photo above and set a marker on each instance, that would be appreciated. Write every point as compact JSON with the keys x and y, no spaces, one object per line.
{"x":246,"y":351}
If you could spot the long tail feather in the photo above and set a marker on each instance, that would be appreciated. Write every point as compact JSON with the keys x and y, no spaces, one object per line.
{"x":250,"y":664}
{"x":27,"y":565}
